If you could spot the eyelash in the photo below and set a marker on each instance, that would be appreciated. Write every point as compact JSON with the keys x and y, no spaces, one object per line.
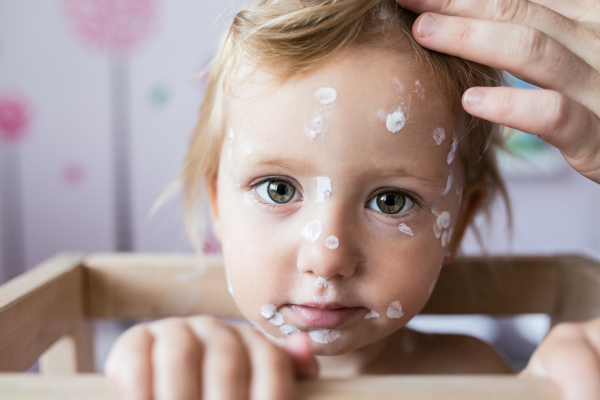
{"x":272,"y":206}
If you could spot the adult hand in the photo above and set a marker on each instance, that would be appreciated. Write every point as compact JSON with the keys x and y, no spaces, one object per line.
{"x":570,"y":356}
{"x":552,"y":44}
{"x":203,"y":358}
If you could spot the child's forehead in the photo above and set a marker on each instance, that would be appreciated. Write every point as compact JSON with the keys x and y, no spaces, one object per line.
{"x":364,"y":89}
{"x":359,"y":76}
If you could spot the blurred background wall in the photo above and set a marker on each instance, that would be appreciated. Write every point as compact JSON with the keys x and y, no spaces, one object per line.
{"x":98,"y":99}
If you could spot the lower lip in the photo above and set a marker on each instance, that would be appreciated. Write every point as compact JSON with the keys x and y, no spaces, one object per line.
{"x":319,"y":318}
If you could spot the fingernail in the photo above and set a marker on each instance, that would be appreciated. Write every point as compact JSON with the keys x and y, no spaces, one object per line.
{"x":427,"y":25}
{"x":473,"y":97}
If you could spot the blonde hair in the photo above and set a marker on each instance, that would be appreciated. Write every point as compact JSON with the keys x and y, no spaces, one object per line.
{"x":293,"y":37}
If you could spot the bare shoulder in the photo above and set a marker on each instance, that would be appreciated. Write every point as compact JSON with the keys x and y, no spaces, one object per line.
{"x":460,"y":354}
{"x":413,"y":352}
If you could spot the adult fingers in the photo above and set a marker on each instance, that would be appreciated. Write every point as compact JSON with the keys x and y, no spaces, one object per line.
{"x":547,"y":17}
{"x":176,"y":356}
{"x":497,"y":9}
{"x":273,"y":375}
{"x":299,"y":348}
{"x":225,"y":367}
{"x":523,"y":51}
{"x":129,"y":365}
{"x":522,"y":12}
{"x":567,"y":358}
{"x":579,"y":10}
{"x":555,"y":118}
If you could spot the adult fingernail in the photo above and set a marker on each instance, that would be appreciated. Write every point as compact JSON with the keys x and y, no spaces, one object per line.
{"x":473,"y":97}
{"x":427,"y":25}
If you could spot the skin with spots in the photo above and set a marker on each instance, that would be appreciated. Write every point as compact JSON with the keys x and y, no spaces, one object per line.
{"x":381,"y":180}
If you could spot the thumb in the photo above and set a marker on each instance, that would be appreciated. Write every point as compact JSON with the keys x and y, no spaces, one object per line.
{"x":299,"y":348}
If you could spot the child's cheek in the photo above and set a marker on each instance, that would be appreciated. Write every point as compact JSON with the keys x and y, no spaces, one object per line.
{"x":403,"y":271}
{"x":256,"y":263}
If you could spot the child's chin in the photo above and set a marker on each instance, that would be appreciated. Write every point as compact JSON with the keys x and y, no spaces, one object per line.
{"x":330,"y":349}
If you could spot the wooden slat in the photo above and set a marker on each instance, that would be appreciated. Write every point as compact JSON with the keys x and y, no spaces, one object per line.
{"x":580,"y":295}
{"x":498,"y":286}
{"x":96,"y":387}
{"x":37,"y":308}
{"x":156,"y":286}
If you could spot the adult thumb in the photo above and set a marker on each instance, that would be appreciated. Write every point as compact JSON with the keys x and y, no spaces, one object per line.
{"x":298,"y":346}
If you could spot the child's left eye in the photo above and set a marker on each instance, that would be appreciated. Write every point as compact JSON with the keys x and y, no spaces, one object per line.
{"x":391,"y":203}
{"x":276,"y":191}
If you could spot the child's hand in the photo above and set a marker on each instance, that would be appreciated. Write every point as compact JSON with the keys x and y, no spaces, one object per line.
{"x":570,"y":356}
{"x":202,"y":358}
{"x":549,"y":43}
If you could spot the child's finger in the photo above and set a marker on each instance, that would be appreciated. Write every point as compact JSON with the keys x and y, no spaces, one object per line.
{"x":129,"y":365}
{"x":225,"y":366}
{"x":298,"y":346}
{"x":273,"y":375}
{"x":555,"y":118}
{"x":175,"y":360}
{"x":568,"y":359}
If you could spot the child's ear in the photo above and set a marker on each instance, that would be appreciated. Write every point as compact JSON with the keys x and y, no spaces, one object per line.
{"x":211,"y":188}
{"x":473,"y":198}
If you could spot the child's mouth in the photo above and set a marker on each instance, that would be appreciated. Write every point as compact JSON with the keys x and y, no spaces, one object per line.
{"x":324,"y":315}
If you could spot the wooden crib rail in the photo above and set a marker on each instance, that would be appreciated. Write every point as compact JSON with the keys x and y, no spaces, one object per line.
{"x":124,"y":286}
{"x":435,"y":387}
{"x":46,"y":313}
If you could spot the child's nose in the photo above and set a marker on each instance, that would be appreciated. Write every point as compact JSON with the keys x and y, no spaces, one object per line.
{"x":328,"y":256}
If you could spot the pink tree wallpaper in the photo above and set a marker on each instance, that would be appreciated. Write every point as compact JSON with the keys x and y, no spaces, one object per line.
{"x":97,"y":102}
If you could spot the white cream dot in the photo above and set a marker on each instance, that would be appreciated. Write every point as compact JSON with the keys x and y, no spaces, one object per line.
{"x":372,"y":314}
{"x":437,"y":230}
{"x":326,"y":95}
{"x":448,"y":183}
{"x":444,"y":220}
{"x":321,"y":283}
{"x":405,"y":229}
{"x":277,"y":319}
{"x":395,"y":121}
{"x":288,"y":330}
{"x":439,"y":135}
{"x":268,"y":311}
{"x":444,"y":238}
{"x":394,"y":311}
{"x":452,"y":152}
{"x":332,"y":242}
{"x":324,"y":189}
{"x":311,"y":231}
{"x":324,"y":336}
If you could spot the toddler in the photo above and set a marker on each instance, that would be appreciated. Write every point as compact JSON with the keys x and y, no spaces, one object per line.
{"x":342,"y":172}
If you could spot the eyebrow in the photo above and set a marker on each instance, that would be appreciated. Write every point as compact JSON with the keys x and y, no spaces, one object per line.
{"x":388,"y":172}
{"x":278,"y":162}
{"x":403,"y":172}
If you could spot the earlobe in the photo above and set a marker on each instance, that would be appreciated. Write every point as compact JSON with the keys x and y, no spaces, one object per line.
{"x":473,"y":198}
{"x":212,"y":189}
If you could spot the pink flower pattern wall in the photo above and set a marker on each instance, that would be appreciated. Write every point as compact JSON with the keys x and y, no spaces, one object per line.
{"x":97,"y":102}
{"x":112,"y":25}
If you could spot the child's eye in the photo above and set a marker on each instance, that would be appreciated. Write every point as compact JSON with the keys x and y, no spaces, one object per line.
{"x":391,"y":203}
{"x":279,"y":192}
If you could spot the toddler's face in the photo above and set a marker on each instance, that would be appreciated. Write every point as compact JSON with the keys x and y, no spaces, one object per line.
{"x":336,"y":198}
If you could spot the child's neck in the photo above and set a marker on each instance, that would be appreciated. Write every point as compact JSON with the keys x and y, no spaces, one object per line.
{"x":352,"y":363}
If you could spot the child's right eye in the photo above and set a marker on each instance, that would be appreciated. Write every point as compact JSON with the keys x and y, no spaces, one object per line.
{"x":276,"y":191}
